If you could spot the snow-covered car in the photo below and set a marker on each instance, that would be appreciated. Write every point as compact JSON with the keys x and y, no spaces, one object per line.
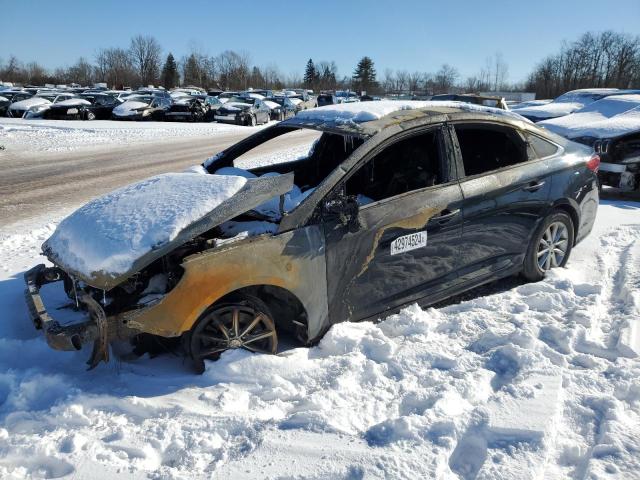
{"x":87,"y":106}
{"x":496,"y":102}
{"x":35,"y":106}
{"x":307,"y":101}
{"x":370,"y":220}
{"x":193,"y":108}
{"x":567,"y":103}
{"x":243,"y":110}
{"x":143,"y":106}
{"x":12,"y":96}
{"x":325,"y":99}
{"x":612,"y":127}
{"x":281,"y":107}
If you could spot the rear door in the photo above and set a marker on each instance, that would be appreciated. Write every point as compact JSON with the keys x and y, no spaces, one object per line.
{"x":405,"y":243}
{"x":506,"y":193}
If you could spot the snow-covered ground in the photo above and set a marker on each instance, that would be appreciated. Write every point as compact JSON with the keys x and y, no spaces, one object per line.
{"x":526,"y":381}
{"x":68,"y":135}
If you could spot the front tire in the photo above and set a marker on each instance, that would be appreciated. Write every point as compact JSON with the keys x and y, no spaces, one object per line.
{"x":550,"y":246}
{"x":244,"y":322}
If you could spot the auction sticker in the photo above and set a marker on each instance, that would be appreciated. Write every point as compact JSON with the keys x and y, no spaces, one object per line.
{"x":409,"y":242}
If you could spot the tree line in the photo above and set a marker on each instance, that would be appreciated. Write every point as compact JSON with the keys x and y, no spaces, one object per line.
{"x":606,"y":59}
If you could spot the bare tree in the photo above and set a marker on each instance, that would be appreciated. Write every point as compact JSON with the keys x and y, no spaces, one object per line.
{"x":145,"y":52}
{"x":445,"y":79}
{"x":414,"y":81}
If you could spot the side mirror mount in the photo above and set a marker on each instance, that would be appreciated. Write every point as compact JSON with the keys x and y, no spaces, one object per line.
{"x":344,"y":210}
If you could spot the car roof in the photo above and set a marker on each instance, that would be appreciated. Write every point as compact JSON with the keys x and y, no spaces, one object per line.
{"x":369,"y":118}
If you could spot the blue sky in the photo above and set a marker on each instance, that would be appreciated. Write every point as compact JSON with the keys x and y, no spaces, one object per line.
{"x":398,"y":34}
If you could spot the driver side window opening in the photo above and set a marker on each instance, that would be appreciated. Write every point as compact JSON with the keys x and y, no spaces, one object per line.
{"x":405,"y":166}
{"x":486,"y":148}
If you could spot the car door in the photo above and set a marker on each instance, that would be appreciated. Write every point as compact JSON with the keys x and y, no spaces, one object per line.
{"x":403,"y":243}
{"x":506,"y":192}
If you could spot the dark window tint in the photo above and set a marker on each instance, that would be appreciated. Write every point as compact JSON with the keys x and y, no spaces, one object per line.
{"x":404,"y":166}
{"x":541,"y":147}
{"x":487,"y":148}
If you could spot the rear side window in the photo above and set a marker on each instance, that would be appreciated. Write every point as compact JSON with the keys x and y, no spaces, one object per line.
{"x":542,"y":148}
{"x":487,"y":148}
{"x":407,"y":165}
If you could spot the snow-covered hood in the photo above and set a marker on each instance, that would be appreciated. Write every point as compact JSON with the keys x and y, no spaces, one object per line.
{"x":550,"y":110}
{"x":73,"y":102}
{"x":271,"y":104}
{"x":29,"y":103}
{"x":116,"y":235}
{"x":236,"y":106}
{"x":129,"y":107}
{"x":3,"y":99}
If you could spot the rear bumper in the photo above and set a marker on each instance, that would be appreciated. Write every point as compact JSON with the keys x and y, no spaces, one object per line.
{"x":72,"y":336}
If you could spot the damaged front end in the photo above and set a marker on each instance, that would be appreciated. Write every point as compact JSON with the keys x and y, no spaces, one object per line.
{"x":67,"y":337}
{"x":620,"y":161}
{"x":113,"y":302}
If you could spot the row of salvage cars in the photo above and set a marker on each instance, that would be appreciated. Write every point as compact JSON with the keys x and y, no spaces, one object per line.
{"x":248,"y":108}
{"x":607,"y":119}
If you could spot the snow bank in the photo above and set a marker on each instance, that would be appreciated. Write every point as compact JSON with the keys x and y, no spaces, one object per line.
{"x":609,"y":117}
{"x":111,"y":232}
{"x":511,"y":383}
{"x":66,"y":135}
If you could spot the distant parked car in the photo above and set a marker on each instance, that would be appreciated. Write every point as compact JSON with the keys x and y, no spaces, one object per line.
{"x":326,"y":99}
{"x":225,"y":96}
{"x":193,"y":108}
{"x":87,"y":106}
{"x":247,"y":111}
{"x":11,"y":96}
{"x":346,"y":97}
{"x":568,"y":103}
{"x":281,"y":107}
{"x":307,"y":100}
{"x":35,"y":106}
{"x":495,"y":102}
{"x":142,"y":107}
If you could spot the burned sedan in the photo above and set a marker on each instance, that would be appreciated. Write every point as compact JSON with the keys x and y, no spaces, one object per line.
{"x":396,"y":202}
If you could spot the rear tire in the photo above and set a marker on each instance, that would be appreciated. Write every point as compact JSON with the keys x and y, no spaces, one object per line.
{"x":242,"y":322}
{"x":90,"y":116}
{"x":550,"y":246}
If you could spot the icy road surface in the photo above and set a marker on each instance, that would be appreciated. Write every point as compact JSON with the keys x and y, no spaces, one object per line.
{"x":48,"y":165}
{"x":537,"y":381}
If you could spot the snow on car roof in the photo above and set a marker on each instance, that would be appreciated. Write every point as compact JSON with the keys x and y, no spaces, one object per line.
{"x":360,"y":112}
{"x":73,"y":102}
{"x":610,"y":117}
{"x":135,"y":219}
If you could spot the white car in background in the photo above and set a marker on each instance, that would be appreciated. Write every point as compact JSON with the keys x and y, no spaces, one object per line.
{"x":35,"y":106}
{"x":566,"y":103}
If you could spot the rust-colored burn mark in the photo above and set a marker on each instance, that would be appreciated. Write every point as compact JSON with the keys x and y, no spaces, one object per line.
{"x":211,"y":275}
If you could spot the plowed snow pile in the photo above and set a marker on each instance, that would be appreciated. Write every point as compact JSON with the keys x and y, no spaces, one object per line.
{"x":519,"y":381}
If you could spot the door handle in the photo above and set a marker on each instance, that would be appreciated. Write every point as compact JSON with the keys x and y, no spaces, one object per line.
{"x":534,"y":186}
{"x":446,"y":215}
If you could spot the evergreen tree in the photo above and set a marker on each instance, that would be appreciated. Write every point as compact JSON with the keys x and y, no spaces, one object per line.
{"x":364,"y":76}
{"x":170,"y":76}
{"x":191,"y":71}
{"x":310,"y":74}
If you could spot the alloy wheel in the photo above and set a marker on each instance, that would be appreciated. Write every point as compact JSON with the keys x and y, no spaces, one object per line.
{"x":230,"y":327}
{"x":553,"y":246}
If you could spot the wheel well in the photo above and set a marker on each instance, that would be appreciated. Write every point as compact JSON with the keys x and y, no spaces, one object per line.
{"x":569,"y":210}
{"x":288,"y":312}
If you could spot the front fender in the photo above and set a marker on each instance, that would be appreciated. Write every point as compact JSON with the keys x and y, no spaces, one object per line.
{"x":293,"y":260}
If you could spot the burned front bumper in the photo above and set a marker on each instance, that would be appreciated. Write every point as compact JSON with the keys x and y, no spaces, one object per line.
{"x":72,"y":336}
